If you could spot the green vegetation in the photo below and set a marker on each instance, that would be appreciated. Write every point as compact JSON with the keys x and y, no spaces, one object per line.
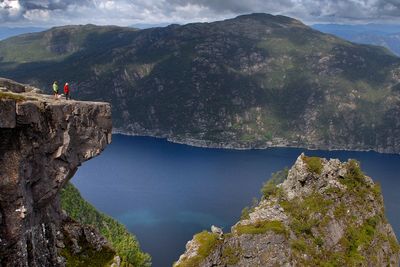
{"x":270,"y":188}
{"x":340,"y":211}
{"x":245,"y":213}
{"x":16,"y":97}
{"x":53,"y":44}
{"x":88,"y":257}
{"x":376,"y":190}
{"x":314,"y":164}
{"x":230,"y":255}
{"x":247,"y":210}
{"x":355,"y":240}
{"x":394,"y":245}
{"x":207,"y":242}
{"x":299,"y":245}
{"x":357,"y":185}
{"x":357,"y":237}
{"x":304,"y":212}
{"x":124,"y":243}
{"x":261,"y":227}
{"x":248,"y":138}
{"x":354,"y":176}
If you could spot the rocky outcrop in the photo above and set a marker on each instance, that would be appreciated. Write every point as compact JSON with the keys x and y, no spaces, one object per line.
{"x":42,"y":143}
{"x":325,"y":213}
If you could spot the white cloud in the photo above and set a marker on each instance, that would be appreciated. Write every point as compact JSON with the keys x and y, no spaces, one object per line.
{"x":37,"y":15}
{"x":10,"y":10}
{"x":126,"y":12}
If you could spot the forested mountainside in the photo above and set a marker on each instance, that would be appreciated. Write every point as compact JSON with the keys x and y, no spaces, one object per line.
{"x":253,"y":81}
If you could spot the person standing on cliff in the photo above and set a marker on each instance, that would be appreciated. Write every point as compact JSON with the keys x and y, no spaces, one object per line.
{"x":55,"y":89}
{"x":66,"y":91}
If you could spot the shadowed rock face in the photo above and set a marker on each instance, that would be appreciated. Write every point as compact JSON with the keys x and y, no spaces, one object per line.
{"x":42,"y":143}
{"x":325,"y":213}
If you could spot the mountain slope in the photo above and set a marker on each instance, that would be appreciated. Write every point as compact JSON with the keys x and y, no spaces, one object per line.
{"x":6,"y":32}
{"x":325,"y":213}
{"x":383,"y":35}
{"x":390,"y":41}
{"x":254,"y":81}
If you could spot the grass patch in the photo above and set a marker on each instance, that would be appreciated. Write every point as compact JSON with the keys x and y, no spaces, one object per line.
{"x":318,"y":241}
{"x":303,"y":212}
{"x":230,"y":255}
{"x":299,"y":245}
{"x":88,"y":257}
{"x":357,"y":185}
{"x":16,"y":97}
{"x":376,"y":190}
{"x":314,"y":203}
{"x":261,"y":227}
{"x":340,"y":211}
{"x":356,"y":237}
{"x":207,"y":242}
{"x":355,"y":240}
{"x":394,"y":245}
{"x":314,"y":164}
{"x":354,"y":176}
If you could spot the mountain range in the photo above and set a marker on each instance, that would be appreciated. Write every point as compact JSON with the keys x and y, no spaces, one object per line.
{"x":6,"y":32}
{"x":254,"y":81}
{"x":374,"y":34}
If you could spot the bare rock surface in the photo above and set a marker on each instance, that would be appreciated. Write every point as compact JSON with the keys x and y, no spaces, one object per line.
{"x":325,"y":213}
{"x":42,"y":143}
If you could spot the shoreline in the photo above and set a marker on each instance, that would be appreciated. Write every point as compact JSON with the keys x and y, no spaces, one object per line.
{"x":209,"y":144}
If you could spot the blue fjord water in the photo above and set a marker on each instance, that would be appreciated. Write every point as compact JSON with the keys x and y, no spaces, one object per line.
{"x":164,"y":192}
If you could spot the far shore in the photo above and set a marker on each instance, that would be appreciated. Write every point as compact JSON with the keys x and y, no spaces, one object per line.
{"x":236,"y":146}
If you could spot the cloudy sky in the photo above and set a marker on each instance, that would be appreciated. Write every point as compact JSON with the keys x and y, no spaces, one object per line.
{"x":128,"y":12}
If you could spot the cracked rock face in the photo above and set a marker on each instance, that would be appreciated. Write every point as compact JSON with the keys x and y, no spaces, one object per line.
{"x":325,"y":213}
{"x":42,"y":143}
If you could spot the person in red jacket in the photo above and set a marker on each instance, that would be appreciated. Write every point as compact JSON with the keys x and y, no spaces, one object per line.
{"x":66,"y":91}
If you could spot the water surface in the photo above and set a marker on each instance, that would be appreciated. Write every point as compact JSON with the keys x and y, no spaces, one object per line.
{"x":164,"y":192}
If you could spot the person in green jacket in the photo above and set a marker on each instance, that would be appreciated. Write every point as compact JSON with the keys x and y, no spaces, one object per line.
{"x":55,"y":89}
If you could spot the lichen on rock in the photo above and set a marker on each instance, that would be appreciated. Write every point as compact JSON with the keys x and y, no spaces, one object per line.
{"x":329,"y":214}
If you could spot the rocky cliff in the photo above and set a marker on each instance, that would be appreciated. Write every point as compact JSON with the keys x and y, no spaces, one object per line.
{"x":42,"y":143}
{"x":325,"y":213}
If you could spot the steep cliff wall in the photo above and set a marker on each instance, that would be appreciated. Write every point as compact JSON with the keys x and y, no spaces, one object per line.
{"x":42,"y":143}
{"x":325,"y":213}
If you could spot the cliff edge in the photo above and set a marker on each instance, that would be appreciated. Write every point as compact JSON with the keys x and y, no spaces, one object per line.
{"x":324,"y":213}
{"x":42,"y":143}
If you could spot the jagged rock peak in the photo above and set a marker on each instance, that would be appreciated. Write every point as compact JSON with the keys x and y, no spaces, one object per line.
{"x":325,"y":213}
{"x":42,"y":143}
